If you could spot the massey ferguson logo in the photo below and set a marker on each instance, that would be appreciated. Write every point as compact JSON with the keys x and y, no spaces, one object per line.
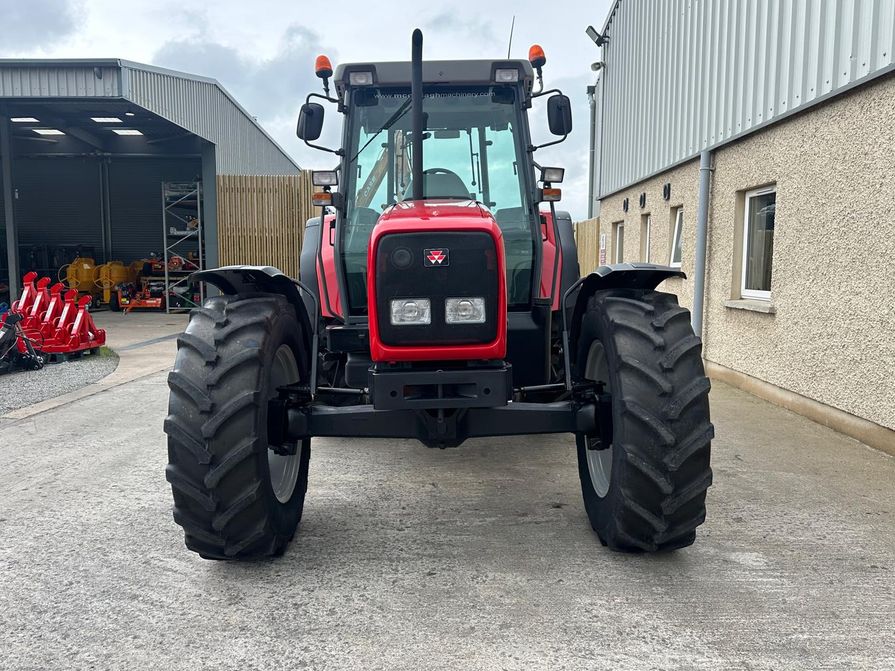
{"x":436,"y":257}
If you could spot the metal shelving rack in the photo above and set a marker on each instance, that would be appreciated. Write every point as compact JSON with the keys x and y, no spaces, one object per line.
{"x":181,"y":200}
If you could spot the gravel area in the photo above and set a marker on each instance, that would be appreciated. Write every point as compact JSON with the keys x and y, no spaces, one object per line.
{"x":26,"y":387}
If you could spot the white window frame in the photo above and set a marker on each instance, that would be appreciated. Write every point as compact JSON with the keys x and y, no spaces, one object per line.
{"x":646,"y":232}
{"x":678,"y":228}
{"x":619,"y":238}
{"x":744,"y":292}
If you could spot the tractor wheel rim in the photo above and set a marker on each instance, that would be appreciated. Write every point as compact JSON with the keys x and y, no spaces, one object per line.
{"x":283,"y":468}
{"x":599,"y":462}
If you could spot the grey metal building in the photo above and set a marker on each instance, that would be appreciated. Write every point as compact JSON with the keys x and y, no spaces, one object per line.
{"x":683,"y":76}
{"x":750,"y":143}
{"x":86,"y":144}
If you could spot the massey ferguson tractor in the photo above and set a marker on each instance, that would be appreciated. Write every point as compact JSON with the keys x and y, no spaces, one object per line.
{"x":439,"y":299}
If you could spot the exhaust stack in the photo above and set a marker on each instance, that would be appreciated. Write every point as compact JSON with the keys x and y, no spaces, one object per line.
{"x":416,"y":106}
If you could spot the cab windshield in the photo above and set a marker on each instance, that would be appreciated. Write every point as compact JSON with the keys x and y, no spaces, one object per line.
{"x":472,"y":149}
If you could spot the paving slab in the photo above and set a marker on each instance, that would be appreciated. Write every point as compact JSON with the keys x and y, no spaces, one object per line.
{"x":472,"y":558}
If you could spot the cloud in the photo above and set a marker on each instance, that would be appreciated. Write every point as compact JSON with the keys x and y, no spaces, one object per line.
{"x":271,"y":89}
{"x":449,"y":22}
{"x":574,"y":153}
{"x":267,"y":88}
{"x":38,"y":24}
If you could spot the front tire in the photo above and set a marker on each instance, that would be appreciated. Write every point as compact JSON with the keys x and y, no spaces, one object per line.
{"x":646,"y":490}
{"x":234,"y":497}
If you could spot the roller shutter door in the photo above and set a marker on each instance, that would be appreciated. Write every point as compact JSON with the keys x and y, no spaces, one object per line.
{"x":59,"y":202}
{"x":135,"y":196}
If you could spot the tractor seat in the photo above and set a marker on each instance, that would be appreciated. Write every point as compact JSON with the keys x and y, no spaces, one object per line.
{"x":441,"y":183}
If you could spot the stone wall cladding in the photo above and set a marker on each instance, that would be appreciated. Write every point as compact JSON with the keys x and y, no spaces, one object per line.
{"x":684,"y":193}
{"x":832,"y":337}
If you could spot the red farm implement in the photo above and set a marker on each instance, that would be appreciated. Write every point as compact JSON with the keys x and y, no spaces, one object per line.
{"x":45,"y":325}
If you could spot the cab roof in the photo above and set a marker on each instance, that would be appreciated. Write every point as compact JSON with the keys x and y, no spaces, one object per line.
{"x":397,"y":73}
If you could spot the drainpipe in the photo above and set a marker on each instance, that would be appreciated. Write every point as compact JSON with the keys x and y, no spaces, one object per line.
{"x":592,"y":100}
{"x":702,"y":226}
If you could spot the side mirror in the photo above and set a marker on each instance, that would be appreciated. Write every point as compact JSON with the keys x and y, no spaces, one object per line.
{"x":559,"y":114}
{"x":310,"y":122}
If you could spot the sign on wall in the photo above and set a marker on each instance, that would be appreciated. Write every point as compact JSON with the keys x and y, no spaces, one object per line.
{"x":602,"y":249}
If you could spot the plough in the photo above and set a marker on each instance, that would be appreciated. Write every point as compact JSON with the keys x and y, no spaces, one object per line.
{"x":45,"y":325}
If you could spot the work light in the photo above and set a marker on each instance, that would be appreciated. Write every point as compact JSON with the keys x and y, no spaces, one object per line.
{"x":552,"y":175}
{"x":324,"y":178}
{"x":360,"y":78}
{"x":506,"y":75}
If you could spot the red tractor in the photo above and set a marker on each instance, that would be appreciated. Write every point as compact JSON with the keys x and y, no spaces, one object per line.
{"x":437,"y":301}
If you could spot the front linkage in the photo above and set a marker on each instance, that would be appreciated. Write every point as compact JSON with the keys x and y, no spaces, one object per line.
{"x":294,"y":416}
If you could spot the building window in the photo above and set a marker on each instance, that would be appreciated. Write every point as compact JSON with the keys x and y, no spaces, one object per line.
{"x":618,"y":249}
{"x":676,"y":233}
{"x":646,"y":222}
{"x":758,"y":242}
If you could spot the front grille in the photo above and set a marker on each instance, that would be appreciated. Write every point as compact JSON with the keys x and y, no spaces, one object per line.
{"x":404,"y":270}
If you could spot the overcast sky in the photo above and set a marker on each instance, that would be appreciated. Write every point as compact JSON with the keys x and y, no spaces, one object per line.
{"x":263,"y":51}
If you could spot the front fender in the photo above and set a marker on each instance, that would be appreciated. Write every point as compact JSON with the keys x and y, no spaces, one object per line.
{"x":629,"y":276}
{"x":644,"y":276}
{"x":260,"y":279}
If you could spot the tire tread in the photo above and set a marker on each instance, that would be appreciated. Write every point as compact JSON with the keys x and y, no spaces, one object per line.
{"x":659,"y":482}
{"x":213,"y":431}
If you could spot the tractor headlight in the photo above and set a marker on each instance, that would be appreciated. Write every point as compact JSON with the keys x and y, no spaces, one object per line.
{"x":411,"y":311}
{"x":464,"y":310}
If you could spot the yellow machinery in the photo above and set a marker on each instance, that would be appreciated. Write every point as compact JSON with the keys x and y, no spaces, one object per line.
{"x":86,"y":277}
{"x":110,"y":275}
{"x":80,"y":274}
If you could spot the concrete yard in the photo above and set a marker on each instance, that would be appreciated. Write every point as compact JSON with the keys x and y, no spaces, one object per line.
{"x":473,"y":558}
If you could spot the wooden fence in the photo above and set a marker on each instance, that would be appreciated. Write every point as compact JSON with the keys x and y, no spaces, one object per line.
{"x":261,"y":219}
{"x":587,"y":237}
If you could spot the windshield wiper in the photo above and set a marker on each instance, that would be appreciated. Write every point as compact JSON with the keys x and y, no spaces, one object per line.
{"x":401,"y":111}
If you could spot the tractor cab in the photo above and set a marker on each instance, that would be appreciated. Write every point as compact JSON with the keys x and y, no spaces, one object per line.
{"x":475,"y":148}
{"x":470,"y":143}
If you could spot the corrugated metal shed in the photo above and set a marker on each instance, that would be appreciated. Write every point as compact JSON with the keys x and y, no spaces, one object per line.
{"x":59,"y":79}
{"x":681,"y":76}
{"x":197,"y":104}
